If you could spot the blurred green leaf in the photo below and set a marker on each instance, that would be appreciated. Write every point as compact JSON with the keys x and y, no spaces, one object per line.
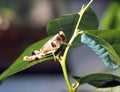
{"x":100,"y":80}
{"x":111,"y":17}
{"x":110,"y":89}
{"x":117,"y":23}
{"x":20,"y":64}
{"x":68,"y":22}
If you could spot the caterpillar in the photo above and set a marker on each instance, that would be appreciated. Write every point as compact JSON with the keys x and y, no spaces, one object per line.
{"x":100,"y":51}
{"x":49,"y":48}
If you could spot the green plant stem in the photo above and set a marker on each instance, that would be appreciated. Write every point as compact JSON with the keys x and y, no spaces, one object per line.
{"x":63,"y":64}
{"x":65,"y":73}
{"x":63,"y":59}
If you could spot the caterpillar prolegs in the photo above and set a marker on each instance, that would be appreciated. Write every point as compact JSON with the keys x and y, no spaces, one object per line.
{"x":99,"y":50}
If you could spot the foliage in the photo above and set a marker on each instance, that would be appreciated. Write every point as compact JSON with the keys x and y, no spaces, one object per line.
{"x":74,"y":25}
{"x":100,"y":80}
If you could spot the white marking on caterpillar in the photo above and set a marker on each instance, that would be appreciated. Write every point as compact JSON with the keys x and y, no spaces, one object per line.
{"x":99,"y":50}
{"x":49,"y":48}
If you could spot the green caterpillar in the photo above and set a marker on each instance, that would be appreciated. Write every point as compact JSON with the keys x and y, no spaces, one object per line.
{"x":99,"y":50}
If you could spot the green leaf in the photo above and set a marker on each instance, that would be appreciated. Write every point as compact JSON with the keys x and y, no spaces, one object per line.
{"x":117,"y":22}
{"x":68,"y":22}
{"x":111,"y":89}
{"x":109,"y":40}
{"x":110,"y":17}
{"x":100,"y":80}
{"x":20,"y":64}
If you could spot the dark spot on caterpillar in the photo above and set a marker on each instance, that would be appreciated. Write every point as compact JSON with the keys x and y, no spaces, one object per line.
{"x":62,"y":36}
{"x":36,"y":58}
{"x":53,"y":44}
{"x":58,"y":38}
{"x":33,"y":53}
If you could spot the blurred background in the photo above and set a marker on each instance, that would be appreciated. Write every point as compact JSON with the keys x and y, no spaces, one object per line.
{"x":23,"y":22}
